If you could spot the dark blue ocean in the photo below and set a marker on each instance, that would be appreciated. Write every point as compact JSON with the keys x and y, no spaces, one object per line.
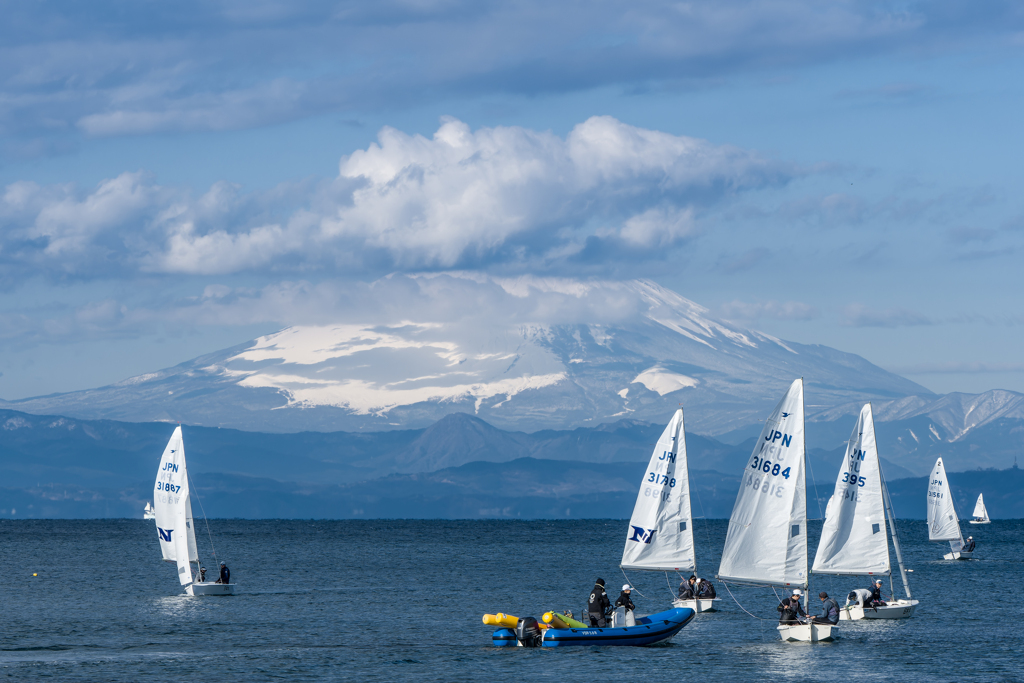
{"x":402,"y":600}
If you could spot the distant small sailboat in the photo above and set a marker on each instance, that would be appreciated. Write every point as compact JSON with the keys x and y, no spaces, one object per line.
{"x":980,"y":513}
{"x":853,"y":538}
{"x":766,"y":544}
{"x":173,"y":509}
{"x":148,"y":512}
{"x":943,"y":523}
{"x":660,"y":534}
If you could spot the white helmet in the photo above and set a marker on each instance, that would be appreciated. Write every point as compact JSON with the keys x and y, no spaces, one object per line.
{"x":627,"y":587}
{"x":797,"y":592}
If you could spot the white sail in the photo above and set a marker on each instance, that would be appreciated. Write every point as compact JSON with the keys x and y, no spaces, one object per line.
{"x":943,"y":524}
{"x":170,"y":502}
{"x":767,"y":538}
{"x":979,"y":509}
{"x":660,"y":535}
{"x":853,"y":538}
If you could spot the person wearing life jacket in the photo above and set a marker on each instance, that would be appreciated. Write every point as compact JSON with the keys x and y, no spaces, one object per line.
{"x":969,"y":546}
{"x":686,"y":588}
{"x":876,"y":595}
{"x":706,"y":590}
{"x":829,"y":610}
{"x":597,"y":604}
{"x":861,"y":596}
{"x":790,"y":610}
{"x":225,"y":574}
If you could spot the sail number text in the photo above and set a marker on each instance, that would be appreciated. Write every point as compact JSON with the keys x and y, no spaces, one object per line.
{"x":766,"y":466}
{"x":655,"y":478}
{"x":853,"y":479}
{"x":167,"y":486}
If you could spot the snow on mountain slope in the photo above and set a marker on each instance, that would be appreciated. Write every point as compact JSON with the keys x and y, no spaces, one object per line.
{"x":524,"y":354}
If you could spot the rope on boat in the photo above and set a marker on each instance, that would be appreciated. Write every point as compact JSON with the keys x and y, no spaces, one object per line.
{"x":630,"y":583}
{"x":738,"y":602}
{"x":191,"y":487}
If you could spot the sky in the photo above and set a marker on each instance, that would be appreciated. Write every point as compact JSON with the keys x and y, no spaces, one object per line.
{"x":179,"y":178}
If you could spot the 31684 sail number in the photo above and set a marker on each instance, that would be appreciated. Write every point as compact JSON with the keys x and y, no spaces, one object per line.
{"x":768,"y":467}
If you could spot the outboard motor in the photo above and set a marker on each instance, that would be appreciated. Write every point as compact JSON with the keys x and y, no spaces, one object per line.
{"x":528,"y":632}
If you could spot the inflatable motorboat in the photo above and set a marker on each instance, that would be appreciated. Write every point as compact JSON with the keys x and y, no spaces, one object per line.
{"x":655,"y":628}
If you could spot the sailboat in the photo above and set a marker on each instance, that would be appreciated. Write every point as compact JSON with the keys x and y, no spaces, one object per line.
{"x":980,"y":513}
{"x":943,"y":523}
{"x":660,"y":535}
{"x":174,"y":525}
{"x":766,"y":544}
{"x":148,"y":512}
{"x":853,"y":538}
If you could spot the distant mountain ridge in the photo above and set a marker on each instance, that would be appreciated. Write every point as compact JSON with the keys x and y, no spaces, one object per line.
{"x":667,"y":351}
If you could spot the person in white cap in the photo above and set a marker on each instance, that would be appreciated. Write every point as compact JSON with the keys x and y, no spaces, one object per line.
{"x":969,"y":546}
{"x":625,"y":601}
{"x":790,"y":610}
{"x":876,"y":595}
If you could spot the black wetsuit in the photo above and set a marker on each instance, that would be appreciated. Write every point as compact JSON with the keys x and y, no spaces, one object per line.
{"x":597,"y":605}
{"x":876,"y":597}
{"x":968,"y":547}
{"x":706,"y":590}
{"x":686,"y":590}
{"x":225,"y":574}
{"x":789,"y":610}
{"x":624,"y":601}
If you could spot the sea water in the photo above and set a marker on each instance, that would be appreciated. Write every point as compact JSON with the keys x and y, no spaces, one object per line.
{"x":403,"y":600}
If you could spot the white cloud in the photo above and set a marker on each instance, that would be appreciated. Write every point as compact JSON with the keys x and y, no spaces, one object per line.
{"x":461,"y":198}
{"x":859,"y":315}
{"x":777,"y":310}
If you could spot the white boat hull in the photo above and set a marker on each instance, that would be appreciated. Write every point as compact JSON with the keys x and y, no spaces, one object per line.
{"x":698,"y":605}
{"x":959,"y":556}
{"x":808,"y":633}
{"x":210,"y":588}
{"x":981,"y":521}
{"x":899,"y":609}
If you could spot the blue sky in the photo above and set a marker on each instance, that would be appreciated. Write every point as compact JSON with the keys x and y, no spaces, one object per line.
{"x":179,"y":178}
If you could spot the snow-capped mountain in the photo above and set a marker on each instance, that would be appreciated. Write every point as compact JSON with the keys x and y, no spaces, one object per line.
{"x":528,"y":372}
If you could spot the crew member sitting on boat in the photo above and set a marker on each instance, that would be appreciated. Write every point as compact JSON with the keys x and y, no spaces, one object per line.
{"x":202,"y":574}
{"x":790,"y":610}
{"x":705,"y":590}
{"x":861,"y":596}
{"x":597,"y":604}
{"x":876,"y":595}
{"x":829,"y":611}
{"x":225,"y":574}
{"x":969,"y":546}
{"x":686,"y":588}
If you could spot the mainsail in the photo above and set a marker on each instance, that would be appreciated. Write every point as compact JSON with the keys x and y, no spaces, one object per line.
{"x":853,"y":538}
{"x":660,"y":535}
{"x":979,"y":509}
{"x":173,"y":511}
{"x":943,"y":524}
{"x":767,"y":538}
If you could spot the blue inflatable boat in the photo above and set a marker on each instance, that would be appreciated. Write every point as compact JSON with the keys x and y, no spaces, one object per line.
{"x":647,"y":631}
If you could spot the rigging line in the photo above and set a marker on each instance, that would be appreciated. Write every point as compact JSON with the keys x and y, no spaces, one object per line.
{"x":192,"y":487}
{"x":670,"y":592}
{"x":630,"y":582}
{"x":707,"y":534}
{"x":738,"y":602}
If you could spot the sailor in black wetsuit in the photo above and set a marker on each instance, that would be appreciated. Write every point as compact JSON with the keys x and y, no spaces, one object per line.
{"x":706,"y":590}
{"x":969,"y":546}
{"x":225,"y":574}
{"x":597,"y":604}
{"x":791,"y":611}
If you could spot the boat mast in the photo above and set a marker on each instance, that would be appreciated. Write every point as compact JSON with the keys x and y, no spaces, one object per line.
{"x":895,"y":534}
{"x":807,"y":570}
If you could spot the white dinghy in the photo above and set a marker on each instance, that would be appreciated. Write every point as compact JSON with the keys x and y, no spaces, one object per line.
{"x":148,"y":512}
{"x":943,"y":523}
{"x":980,"y":513}
{"x":174,"y":525}
{"x":660,"y":535}
{"x":853,"y":538}
{"x":767,"y":540}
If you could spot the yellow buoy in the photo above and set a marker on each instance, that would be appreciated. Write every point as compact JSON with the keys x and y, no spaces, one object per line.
{"x":34,"y":574}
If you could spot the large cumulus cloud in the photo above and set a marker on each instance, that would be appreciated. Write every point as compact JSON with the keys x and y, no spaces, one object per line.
{"x":461,"y":198}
